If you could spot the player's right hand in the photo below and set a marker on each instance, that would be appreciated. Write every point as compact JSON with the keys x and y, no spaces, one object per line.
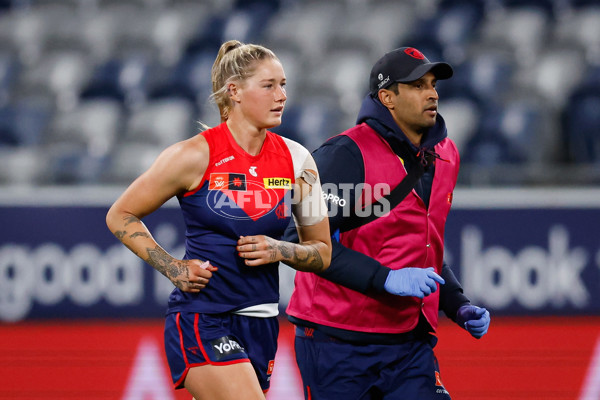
{"x":191,"y":275}
{"x":417,"y":282}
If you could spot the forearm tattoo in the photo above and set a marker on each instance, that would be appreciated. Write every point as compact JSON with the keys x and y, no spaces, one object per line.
{"x":305,"y":257}
{"x":121,"y":234}
{"x":285,"y":251}
{"x":139,"y":234}
{"x":164,"y":263}
{"x":273,"y":247}
{"x":128,"y":221}
{"x":158,"y":258}
{"x":315,"y":260}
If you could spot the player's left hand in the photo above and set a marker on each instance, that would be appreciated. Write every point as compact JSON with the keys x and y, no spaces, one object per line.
{"x":258,"y":250}
{"x":476,"y":320}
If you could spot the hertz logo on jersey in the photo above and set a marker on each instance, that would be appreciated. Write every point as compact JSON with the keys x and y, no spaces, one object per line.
{"x":277,"y":183}
{"x":227,"y":181}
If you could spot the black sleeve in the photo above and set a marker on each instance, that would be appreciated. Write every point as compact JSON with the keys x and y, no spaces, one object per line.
{"x":355,"y":270}
{"x":341,"y":169}
{"x":451,"y":293}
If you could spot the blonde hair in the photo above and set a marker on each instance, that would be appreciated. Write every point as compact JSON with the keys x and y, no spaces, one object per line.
{"x":235,"y":61}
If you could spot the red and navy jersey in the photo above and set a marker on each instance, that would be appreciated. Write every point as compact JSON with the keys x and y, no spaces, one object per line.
{"x":239,"y":195}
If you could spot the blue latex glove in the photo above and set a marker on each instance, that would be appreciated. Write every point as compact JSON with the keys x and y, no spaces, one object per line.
{"x":476,"y":320}
{"x":417,"y":282}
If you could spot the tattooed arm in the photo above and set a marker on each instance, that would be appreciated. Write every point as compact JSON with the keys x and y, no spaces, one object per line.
{"x":309,"y":256}
{"x":187,"y":275}
{"x":312,"y":254}
{"x":178,"y":168}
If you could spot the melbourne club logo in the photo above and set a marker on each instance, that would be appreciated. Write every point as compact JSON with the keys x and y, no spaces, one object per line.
{"x":282,"y":211}
{"x":414,"y":53}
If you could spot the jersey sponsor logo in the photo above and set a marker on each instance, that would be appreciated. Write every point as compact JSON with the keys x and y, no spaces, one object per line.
{"x":277,"y":183}
{"x":225,"y":346}
{"x":227,"y":181}
{"x":224,"y":160}
{"x":252,"y":171}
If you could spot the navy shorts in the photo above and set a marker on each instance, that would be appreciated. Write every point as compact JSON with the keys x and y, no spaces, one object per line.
{"x":333,"y":369}
{"x":193,"y":339}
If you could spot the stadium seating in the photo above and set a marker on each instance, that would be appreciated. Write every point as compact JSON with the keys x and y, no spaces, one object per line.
{"x":125,"y":79}
{"x":462,"y":116}
{"x":127,"y":162}
{"x":160,"y":122}
{"x":9,"y":70}
{"x":94,"y":125}
{"x":21,"y":165}
{"x":189,"y":78}
{"x":71,"y":164}
{"x":23,"y":124}
{"x":525,"y":83}
{"x":485,"y":75}
{"x":581,"y":122}
{"x":522,"y":127}
{"x":311,"y":122}
{"x":453,"y":26}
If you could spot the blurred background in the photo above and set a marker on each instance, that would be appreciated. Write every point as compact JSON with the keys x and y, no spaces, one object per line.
{"x":92,"y":90}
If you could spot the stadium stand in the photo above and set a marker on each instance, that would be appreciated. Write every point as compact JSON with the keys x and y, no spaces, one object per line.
{"x":84,"y":81}
{"x":581,"y":123}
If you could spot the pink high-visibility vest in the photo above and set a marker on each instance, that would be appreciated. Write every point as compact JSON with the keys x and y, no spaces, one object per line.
{"x":408,"y":236}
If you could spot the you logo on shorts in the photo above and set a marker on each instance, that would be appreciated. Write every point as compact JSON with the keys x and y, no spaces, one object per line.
{"x":225,"y":346}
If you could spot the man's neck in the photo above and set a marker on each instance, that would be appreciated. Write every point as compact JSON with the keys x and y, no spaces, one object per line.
{"x":414,"y":137}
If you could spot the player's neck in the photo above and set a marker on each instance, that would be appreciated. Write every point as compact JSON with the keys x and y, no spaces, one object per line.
{"x":248,"y":137}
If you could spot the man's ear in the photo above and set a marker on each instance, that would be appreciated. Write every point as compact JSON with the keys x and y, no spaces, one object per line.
{"x":385,"y":97}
